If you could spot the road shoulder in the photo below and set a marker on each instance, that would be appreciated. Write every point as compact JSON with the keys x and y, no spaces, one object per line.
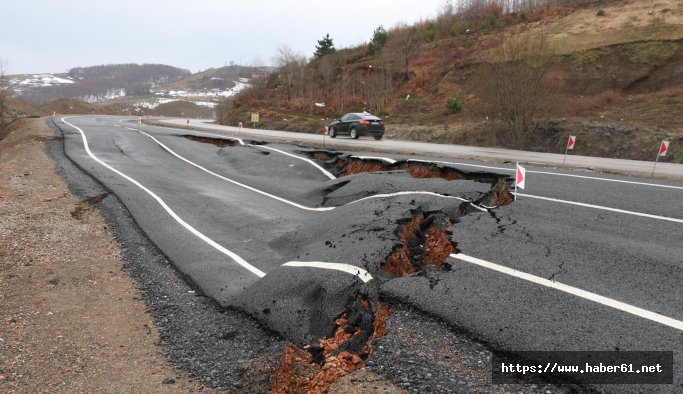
{"x":71,"y":318}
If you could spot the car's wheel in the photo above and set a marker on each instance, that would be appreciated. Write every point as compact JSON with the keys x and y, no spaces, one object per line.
{"x":354,"y":134}
{"x":378,"y":137}
{"x":332,"y":133}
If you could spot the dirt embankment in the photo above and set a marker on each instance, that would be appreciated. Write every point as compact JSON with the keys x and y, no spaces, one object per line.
{"x":71,"y":319}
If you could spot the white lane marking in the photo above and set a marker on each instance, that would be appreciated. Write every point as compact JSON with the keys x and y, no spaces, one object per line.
{"x":177,"y":218}
{"x":512,"y":170}
{"x":647,"y":215}
{"x":116,"y":125}
{"x":463,"y":164}
{"x":553,"y":173}
{"x":348,"y":268}
{"x":656,"y":317}
{"x":292,"y":203}
{"x":309,"y":161}
{"x":169,"y":150}
{"x":608,"y":179}
{"x":386,"y":159}
{"x":417,"y":192}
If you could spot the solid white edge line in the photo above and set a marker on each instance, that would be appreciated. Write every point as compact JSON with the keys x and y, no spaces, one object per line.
{"x":505,"y":169}
{"x":553,"y":173}
{"x":322,"y":209}
{"x":461,"y":164}
{"x":348,"y":268}
{"x":163,"y":204}
{"x":656,"y":317}
{"x":381,"y":158}
{"x":581,"y":204}
{"x":171,"y":151}
{"x":405,"y":193}
{"x":607,"y":179}
{"x":309,"y":161}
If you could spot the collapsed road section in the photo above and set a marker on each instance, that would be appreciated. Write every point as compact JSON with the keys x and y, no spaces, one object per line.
{"x":389,"y":223}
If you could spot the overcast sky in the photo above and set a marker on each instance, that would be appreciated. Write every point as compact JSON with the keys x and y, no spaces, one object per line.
{"x":56,"y":35}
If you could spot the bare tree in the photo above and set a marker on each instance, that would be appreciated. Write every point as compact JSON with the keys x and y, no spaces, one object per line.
{"x":259,"y":79}
{"x":290,"y":65}
{"x":328,"y":71}
{"x":5,"y":116}
{"x":516,"y":75}
{"x":404,"y":44}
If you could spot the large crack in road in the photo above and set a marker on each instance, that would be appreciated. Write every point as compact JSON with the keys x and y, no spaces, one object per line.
{"x":393,"y":219}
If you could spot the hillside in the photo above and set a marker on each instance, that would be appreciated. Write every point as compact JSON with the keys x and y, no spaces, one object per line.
{"x":613,"y":75}
{"x":153,"y":89}
{"x":95,"y":83}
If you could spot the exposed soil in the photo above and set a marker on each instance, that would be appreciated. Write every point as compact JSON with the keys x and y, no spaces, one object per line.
{"x":345,"y":165}
{"x":424,"y":241}
{"x":415,"y":169}
{"x":71,"y":319}
{"x":301,"y":372}
{"x":220,"y":142}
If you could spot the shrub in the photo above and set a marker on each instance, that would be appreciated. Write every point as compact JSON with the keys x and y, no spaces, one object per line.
{"x":455,"y":104}
{"x":651,"y":52}
{"x":379,"y":38}
{"x":678,"y":157}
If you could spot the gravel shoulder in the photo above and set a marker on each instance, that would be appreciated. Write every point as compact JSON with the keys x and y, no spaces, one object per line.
{"x":71,"y":318}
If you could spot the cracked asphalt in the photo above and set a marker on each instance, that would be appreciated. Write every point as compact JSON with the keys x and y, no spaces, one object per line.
{"x":634,"y":259}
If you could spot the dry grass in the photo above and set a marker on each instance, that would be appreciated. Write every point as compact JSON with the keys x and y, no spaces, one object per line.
{"x":578,"y":105}
{"x":624,"y":22}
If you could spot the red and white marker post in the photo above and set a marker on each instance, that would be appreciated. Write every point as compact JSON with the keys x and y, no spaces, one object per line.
{"x":570,"y":145}
{"x":240,"y":125}
{"x":325,"y":131}
{"x":520,"y":178}
{"x":663,"y":148}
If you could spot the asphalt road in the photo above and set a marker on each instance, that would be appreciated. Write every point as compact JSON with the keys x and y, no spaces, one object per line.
{"x":628,"y":167}
{"x":581,"y":261}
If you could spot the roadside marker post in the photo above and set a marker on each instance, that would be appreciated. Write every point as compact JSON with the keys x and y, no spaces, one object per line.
{"x":240,"y":125}
{"x":570,"y":145}
{"x":324,"y":134}
{"x":663,"y":148}
{"x":520,"y":178}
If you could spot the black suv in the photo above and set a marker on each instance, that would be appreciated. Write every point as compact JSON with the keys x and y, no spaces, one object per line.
{"x":356,"y":125}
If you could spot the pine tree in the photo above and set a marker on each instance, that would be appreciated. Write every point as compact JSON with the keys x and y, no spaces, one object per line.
{"x":324,"y":47}
{"x":379,"y":38}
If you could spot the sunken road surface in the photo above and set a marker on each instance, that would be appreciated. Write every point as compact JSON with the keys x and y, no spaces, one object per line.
{"x":315,"y":244}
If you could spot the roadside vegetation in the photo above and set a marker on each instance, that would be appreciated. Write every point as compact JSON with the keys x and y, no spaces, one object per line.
{"x":6,"y":112}
{"x":515,"y":74}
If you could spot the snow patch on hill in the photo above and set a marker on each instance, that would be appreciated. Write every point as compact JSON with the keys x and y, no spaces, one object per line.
{"x":111,"y":94}
{"x":161,"y":100}
{"x":240,"y":85}
{"x":37,"y":80}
